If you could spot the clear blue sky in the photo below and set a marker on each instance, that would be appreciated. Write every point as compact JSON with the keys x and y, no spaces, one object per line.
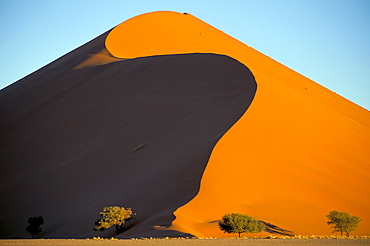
{"x":327,"y":41}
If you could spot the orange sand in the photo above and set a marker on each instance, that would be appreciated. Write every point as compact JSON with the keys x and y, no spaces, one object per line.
{"x":100,"y":58}
{"x":299,"y":151}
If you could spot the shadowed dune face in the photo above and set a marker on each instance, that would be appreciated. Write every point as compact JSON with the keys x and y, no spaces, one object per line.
{"x":70,"y":138}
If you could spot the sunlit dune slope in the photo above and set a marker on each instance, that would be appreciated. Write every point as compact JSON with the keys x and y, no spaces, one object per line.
{"x":70,"y":134}
{"x":299,"y":151}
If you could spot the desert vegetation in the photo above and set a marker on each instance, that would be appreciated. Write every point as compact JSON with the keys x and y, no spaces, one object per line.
{"x":240,"y":223}
{"x":122,"y":219}
{"x":138,"y":147}
{"x":34,"y":227}
{"x":343,"y":222}
{"x":114,"y":216}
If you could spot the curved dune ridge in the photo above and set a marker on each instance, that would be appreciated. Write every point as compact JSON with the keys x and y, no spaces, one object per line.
{"x":181,"y":88}
{"x":70,"y":137}
{"x":299,"y":152}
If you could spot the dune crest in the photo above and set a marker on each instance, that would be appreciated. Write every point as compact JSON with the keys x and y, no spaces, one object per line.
{"x":163,"y":33}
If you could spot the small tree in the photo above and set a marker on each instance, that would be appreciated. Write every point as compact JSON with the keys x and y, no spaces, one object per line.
{"x":343,"y":222}
{"x":240,"y":223}
{"x":113,"y":216}
{"x":34,"y":226}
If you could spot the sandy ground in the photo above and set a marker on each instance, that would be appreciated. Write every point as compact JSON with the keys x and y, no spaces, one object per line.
{"x":178,"y":242}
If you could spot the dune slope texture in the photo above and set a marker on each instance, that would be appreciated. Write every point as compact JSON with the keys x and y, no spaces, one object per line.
{"x":182,"y":94}
{"x":136,"y":133}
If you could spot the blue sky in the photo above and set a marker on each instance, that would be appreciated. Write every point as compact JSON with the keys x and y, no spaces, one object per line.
{"x":325,"y":40}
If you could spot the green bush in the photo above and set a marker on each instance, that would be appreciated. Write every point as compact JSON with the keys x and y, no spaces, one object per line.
{"x":113,"y":216}
{"x":240,"y":223}
{"x":343,"y":222}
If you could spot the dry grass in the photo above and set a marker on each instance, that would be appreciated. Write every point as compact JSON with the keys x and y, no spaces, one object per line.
{"x":317,"y":237}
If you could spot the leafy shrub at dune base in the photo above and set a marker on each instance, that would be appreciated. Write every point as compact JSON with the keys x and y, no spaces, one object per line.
{"x":114,"y":216}
{"x":343,"y":222}
{"x":240,"y":223}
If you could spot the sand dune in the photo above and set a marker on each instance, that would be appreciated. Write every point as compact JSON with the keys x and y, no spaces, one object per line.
{"x":292,"y":152}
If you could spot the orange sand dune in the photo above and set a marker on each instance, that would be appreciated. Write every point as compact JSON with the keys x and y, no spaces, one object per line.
{"x":299,"y":152}
{"x":286,"y":154}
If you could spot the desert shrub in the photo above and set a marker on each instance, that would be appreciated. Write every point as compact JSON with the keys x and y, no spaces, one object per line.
{"x":34,"y":226}
{"x":240,"y":223}
{"x":114,"y":216}
{"x":138,"y":147}
{"x":343,"y":222}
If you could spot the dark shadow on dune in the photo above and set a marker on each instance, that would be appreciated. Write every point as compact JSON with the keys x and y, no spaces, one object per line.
{"x":72,"y":140}
{"x":274,"y":229}
{"x":214,"y":221}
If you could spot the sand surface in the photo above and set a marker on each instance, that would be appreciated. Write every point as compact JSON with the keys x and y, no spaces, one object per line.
{"x":183,"y":242}
{"x":286,"y":153}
